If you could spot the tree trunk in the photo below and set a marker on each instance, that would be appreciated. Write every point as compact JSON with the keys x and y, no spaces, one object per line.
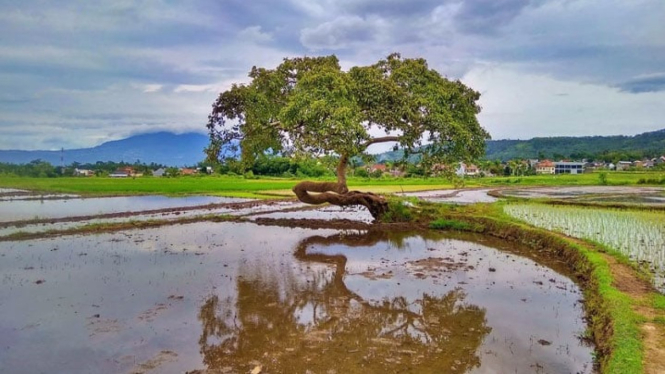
{"x":337,"y":193}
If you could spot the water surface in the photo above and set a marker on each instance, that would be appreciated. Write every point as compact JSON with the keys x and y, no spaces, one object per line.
{"x":231,"y":297}
{"x":15,"y":210}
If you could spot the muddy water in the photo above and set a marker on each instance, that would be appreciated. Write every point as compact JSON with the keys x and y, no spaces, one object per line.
{"x":328,"y":212}
{"x":454,"y":196}
{"x":15,"y":210}
{"x":598,"y":192}
{"x":231,"y":297}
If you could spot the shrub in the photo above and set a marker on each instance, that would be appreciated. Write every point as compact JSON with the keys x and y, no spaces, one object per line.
{"x":602,"y":178}
{"x":448,"y":224}
{"x":398,"y":211}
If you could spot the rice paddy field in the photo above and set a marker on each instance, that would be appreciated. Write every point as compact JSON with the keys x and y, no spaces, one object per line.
{"x":640,"y":235}
{"x":237,"y":186}
{"x":184,"y":248}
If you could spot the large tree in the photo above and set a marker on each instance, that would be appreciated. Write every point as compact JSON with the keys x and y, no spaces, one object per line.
{"x":310,"y":106}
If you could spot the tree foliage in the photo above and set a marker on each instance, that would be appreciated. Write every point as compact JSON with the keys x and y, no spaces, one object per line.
{"x":310,"y":107}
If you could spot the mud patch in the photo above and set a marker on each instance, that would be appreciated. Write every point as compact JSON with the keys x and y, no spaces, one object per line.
{"x":433,"y":266}
{"x":156,"y":362}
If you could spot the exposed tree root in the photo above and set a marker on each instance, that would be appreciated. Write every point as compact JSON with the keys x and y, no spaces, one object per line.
{"x":338,"y":194}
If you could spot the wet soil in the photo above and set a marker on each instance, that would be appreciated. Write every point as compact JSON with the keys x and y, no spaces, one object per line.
{"x":233,"y":297}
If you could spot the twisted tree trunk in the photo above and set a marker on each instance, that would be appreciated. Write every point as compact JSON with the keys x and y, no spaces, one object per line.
{"x":337,"y":193}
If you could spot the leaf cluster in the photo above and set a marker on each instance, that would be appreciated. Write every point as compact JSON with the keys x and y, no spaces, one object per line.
{"x":310,"y":106}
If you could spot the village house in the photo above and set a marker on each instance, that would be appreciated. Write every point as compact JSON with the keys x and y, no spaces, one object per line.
{"x":471,"y":170}
{"x":467,"y":170}
{"x":545,"y":167}
{"x":125,"y":172}
{"x":623,"y":165}
{"x":566,"y":167}
{"x":83,"y":172}
{"x":159,"y":172}
{"x":119,"y":173}
{"x":188,"y":171}
{"x":377,"y":167}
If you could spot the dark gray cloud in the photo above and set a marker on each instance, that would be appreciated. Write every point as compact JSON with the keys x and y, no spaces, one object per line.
{"x":389,"y":8}
{"x":645,"y":83}
{"x":342,"y":32}
{"x":485,"y":16}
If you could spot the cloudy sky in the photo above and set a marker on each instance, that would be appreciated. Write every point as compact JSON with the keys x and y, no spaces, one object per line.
{"x":78,"y":73}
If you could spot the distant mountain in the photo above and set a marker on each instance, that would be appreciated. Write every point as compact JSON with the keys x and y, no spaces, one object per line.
{"x":565,"y":146}
{"x":160,"y":147}
{"x":187,"y":149}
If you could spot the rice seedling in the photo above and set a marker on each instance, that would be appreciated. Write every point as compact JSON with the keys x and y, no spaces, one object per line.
{"x":640,"y":235}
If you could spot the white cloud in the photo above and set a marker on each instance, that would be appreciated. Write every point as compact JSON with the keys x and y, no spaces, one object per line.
{"x":521,"y":106}
{"x":254,"y":34}
{"x":195,"y":88}
{"x":148,"y":88}
{"x":342,"y":32}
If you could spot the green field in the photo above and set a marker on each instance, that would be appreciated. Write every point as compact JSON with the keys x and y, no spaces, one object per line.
{"x":203,"y":185}
{"x":265,"y":187}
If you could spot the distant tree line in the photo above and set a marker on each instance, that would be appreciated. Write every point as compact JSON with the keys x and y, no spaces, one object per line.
{"x":599,"y":148}
{"x":43,"y":169}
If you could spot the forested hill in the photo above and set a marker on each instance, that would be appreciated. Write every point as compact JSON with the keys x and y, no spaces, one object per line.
{"x":649,"y":144}
{"x":610,"y":148}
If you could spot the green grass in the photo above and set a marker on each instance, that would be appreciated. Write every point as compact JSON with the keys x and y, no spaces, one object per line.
{"x":241,"y":187}
{"x":212,"y":185}
{"x":451,"y":224}
{"x":203,"y":185}
{"x":626,"y":341}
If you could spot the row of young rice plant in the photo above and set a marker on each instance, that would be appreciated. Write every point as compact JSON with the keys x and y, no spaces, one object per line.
{"x":640,"y":235}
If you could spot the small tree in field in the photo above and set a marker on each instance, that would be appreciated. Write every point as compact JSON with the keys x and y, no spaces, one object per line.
{"x":309,"y":106}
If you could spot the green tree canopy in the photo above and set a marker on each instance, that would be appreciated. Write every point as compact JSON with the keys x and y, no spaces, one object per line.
{"x":310,"y":106}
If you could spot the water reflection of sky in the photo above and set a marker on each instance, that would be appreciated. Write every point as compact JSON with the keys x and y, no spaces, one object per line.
{"x":111,"y":302}
{"x":30,"y":209}
{"x":524,"y":302}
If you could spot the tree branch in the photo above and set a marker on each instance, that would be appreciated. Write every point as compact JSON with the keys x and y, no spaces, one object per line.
{"x":382,"y":139}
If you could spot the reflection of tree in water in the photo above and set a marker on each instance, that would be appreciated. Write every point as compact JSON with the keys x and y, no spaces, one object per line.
{"x":319,"y":324}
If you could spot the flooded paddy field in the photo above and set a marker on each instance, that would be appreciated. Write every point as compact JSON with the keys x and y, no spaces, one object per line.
{"x":328,"y":212}
{"x":16,"y":210}
{"x":627,"y":195}
{"x":458,"y":196}
{"x":238,"y":297}
{"x":640,"y":235}
{"x":240,"y":209}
